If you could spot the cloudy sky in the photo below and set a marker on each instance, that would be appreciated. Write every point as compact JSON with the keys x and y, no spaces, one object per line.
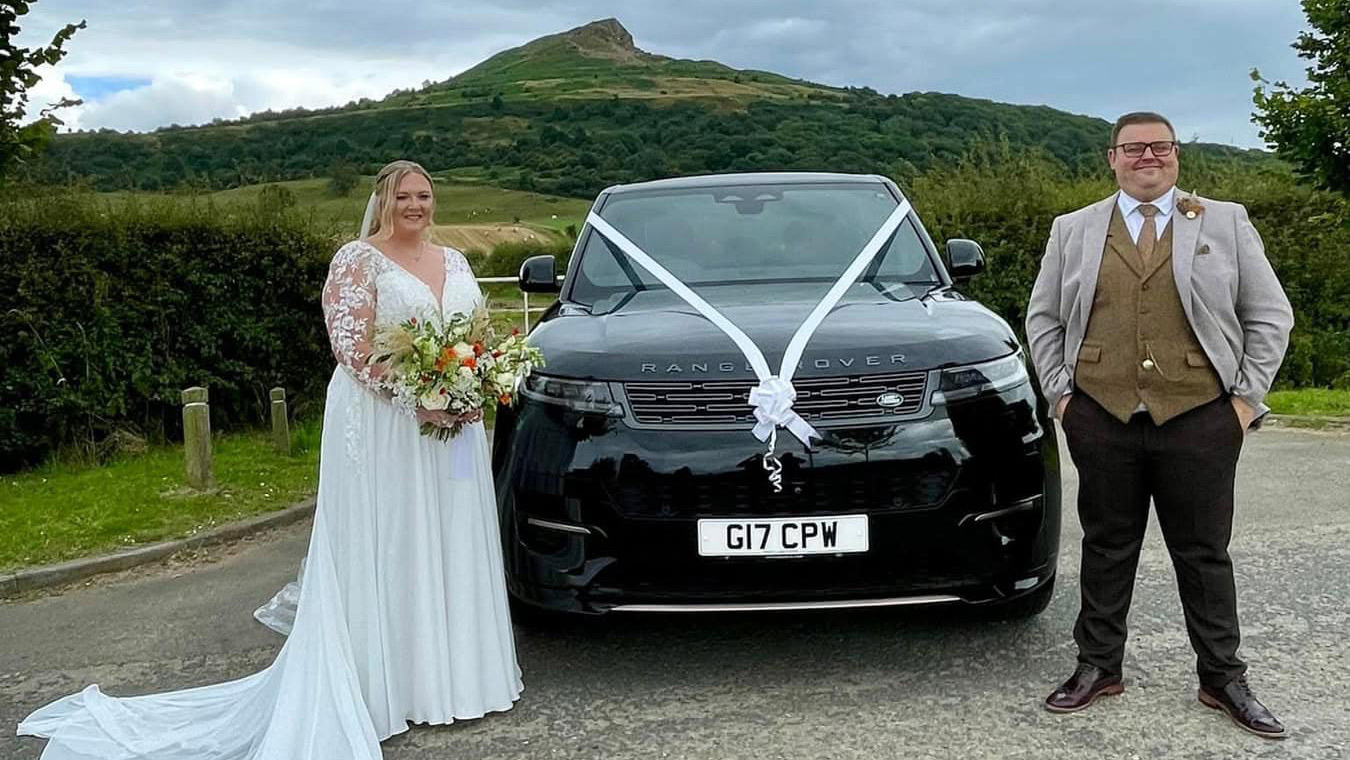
{"x":147,"y":63}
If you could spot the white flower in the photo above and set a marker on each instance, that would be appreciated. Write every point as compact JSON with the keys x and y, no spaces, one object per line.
{"x":435,"y":400}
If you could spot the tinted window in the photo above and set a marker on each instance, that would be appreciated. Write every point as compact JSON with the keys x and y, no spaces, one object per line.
{"x":751,"y":234}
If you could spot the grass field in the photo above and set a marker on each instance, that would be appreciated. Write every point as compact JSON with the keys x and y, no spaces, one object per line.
{"x":1311,"y":401}
{"x":459,"y":201}
{"x":62,"y":511}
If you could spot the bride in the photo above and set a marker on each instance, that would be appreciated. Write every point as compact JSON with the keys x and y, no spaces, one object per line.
{"x":401,"y":615}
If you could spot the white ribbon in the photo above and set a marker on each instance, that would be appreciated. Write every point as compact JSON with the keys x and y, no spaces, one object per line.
{"x":773,"y":397}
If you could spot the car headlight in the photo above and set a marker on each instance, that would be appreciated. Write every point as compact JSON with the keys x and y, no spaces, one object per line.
{"x":976,"y":379}
{"x":578,"y":395}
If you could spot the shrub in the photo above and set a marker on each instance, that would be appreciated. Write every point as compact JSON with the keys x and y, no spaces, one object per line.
{"x":1005,"y":199}
{"x":111,"y":309}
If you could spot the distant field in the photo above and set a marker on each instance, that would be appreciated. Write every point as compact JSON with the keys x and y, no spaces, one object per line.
{"x":467,"y":214}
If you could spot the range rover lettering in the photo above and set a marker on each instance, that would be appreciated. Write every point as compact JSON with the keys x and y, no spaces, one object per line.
{"x":628,"y":479}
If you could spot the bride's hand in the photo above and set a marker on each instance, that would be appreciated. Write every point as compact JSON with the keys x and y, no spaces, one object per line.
{"x":446,"y":419}
{"x":439,"y":418}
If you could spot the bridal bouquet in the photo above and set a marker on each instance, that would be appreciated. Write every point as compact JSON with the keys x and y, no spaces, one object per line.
{"x":458,"y":367}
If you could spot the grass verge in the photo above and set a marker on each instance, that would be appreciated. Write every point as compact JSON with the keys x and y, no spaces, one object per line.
{"x":1311,"y":401}
{"x":61,"y":511}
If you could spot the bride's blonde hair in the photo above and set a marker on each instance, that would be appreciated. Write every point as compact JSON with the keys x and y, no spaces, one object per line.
{"x":386,"y":190}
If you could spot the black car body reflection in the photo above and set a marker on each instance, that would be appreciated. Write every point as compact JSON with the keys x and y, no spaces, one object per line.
{"x":638,"y":428}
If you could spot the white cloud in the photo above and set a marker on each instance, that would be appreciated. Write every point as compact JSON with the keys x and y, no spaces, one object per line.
{"x":167,"y":100}
{"x":51,"y":90}
{"x":219,"y":58}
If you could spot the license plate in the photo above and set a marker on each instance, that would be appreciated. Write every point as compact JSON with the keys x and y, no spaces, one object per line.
{"x":842,"y":534}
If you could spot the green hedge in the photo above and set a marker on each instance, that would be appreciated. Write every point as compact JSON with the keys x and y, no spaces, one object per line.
{"x":1006,"y":202}
{"x":110,"y":310}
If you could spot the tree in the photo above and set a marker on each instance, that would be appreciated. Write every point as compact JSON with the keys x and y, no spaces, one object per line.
{"x":274,"y":199}
{"x":18,"y":75}
{"x":344,"y":179}
{"x":1310,"y":128}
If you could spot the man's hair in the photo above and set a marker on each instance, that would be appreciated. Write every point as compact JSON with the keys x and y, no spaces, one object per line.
{"x":1140,"y":117}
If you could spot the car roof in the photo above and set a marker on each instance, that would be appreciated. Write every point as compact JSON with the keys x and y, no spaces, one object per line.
{"x":747,"y":178}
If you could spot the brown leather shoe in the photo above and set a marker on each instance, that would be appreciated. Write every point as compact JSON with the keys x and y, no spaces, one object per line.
{"x":1236,"y":699}
{"x":1087,"y":684}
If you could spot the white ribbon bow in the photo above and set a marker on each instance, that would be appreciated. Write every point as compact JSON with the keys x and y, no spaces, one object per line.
{"x":773,"y":397}
{"x":772,"y":400}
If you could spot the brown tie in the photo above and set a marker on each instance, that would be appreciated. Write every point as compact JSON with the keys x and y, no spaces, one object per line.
{"x":1148,"y":234}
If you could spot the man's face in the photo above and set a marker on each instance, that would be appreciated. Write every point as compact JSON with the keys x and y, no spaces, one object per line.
{"x":1147,"y":176}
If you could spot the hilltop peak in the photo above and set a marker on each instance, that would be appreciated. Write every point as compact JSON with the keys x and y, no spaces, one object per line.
{"x":606,"y":38}
{"x":605,"y":34}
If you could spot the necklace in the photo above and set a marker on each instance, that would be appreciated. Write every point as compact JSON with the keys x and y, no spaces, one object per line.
{"x":414,"y":256}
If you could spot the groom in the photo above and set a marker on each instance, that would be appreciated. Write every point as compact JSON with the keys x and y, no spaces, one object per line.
{"x":1156,"y":326}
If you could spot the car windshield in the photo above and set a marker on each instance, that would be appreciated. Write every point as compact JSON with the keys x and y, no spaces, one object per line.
{"x":749,"y":234}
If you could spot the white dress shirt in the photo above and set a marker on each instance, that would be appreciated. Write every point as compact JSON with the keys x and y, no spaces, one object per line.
{"x":1129,"y":208}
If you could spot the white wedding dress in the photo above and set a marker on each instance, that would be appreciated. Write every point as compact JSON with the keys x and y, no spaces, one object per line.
{"x":400,"y":616}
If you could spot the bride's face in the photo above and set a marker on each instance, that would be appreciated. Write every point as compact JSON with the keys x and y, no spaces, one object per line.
{"x":412,"y":204}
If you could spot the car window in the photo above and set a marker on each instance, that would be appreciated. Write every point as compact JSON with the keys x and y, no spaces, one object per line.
{"x":751,"y":234}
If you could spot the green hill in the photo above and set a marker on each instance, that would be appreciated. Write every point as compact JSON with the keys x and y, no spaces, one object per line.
{"x":600,"y":60}
{"x":572,"y":112}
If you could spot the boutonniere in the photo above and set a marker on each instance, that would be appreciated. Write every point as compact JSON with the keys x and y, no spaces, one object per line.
{"x":1190,"y":207}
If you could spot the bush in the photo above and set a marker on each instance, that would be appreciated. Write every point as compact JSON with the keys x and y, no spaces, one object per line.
{"x":111,"y":309}
{"x":1005,"y":199}
{"x":506,"y":258}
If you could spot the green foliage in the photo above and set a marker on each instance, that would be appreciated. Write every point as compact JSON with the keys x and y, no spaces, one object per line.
{"x":63,"y":510}
{"x":18,"y":74}
{"x":1313,"y":401}
{"x":576,"y":148}
{"x":1310,"y":127}
{"x":112,"y":308}
{"x":1005,"y":200}
{"x":343,"y":179}
{"x":505,"y":259}
{"x":274,"y":199}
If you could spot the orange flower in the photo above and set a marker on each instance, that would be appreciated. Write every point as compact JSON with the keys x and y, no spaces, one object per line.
{"x":470,"y":362}
{"x":478,"y":349}
{"x":505,"y":398}
{"x":447,"y":356}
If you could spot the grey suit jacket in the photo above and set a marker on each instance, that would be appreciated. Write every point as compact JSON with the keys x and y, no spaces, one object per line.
{"x":1230,"y":294}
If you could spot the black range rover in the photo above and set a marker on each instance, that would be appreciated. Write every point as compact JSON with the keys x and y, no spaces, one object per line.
{"x":627,"y":475}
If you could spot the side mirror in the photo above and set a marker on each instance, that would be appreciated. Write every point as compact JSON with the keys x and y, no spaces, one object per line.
{"x":537,"y":275}
{"x":965,"y":259}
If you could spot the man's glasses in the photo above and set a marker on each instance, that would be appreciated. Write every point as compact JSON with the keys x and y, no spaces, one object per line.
{"x":1160,"y":148}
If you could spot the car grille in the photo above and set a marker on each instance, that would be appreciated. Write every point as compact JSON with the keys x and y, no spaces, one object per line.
{"x":723,"y":402}
{"x":845,"y":489}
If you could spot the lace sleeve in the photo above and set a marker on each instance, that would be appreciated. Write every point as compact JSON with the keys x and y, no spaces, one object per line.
{"x":349,"y":298}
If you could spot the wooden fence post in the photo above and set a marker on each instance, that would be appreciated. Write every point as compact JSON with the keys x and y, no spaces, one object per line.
{"x":281,"y":430}
{"x":197,"y":438}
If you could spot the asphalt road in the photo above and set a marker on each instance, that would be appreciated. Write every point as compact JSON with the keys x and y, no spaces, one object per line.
{"x":823,"y":685}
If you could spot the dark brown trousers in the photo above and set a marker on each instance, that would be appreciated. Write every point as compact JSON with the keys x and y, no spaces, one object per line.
{"x":1186,"y":468}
